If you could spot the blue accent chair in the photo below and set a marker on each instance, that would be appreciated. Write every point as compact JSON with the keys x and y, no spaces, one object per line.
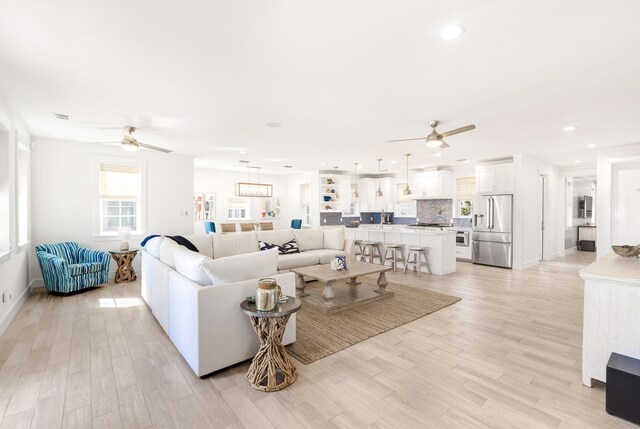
{"x":296,"y":223}
{"x":67,"y":267}
{"x":209,"y":227}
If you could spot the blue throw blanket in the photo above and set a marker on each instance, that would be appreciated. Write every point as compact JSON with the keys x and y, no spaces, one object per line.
{"x":177,"y":238}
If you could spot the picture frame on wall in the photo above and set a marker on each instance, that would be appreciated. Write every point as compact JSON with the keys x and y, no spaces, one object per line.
{"x":204,"y":206}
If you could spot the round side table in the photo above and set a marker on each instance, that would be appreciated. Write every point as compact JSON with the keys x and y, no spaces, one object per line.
{"x":271,"y":368}
{"x":124,"y":258}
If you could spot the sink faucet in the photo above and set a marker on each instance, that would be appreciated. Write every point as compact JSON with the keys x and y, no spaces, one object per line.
{"x":382,"y":219}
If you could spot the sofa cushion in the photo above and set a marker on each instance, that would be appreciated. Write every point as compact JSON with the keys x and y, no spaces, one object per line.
{"x":204,"y":243}
{"x":242,"y":267}
{"x":277,"y":236}
{"x":153,"y":246}
{"x":296,"y":260}
{"x":333,"y":238}
{"x":283,"y":249}
{"x":167,"y":250}
{"x":325,"y":255}
{"x":234,"y":244}
{"x":309,"y":239}
{"x":190,"y":265}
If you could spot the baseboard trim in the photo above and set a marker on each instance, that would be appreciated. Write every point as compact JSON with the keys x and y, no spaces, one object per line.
{"x":8,"y":318}
{"x":526,"y":265}
{"x":570,"y":250}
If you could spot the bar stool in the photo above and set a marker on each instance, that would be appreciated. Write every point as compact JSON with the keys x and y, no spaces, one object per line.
{"x":416,"y":252}
{"x":357,"y":247}
{"x":396,"y":250}
{"x":369,"y":249}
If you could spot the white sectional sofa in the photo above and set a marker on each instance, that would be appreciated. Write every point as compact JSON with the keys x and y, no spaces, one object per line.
{"x":195,"y":296}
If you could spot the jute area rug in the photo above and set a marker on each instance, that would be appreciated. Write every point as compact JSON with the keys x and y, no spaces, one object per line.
{"x":319,"y":335}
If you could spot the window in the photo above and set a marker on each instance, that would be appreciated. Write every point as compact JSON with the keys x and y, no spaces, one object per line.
{"x":405,"y":206}
{"x":238,"y":208}
{"x":465,"y":192}
{"x":120,"y":194}
{"x":5,"y":211}
{"x":23,"y":193}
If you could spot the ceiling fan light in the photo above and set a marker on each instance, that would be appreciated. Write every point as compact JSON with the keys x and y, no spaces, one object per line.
{"x":433,"y":143}
{"x":128,"y":146}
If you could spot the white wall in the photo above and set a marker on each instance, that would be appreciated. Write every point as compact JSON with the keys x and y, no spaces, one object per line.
{"x":223,"y":184}
{"x":606,"y":158}
{"x":63,"y":194}
{"x":527,"y":171}
{"x":14,"y":267}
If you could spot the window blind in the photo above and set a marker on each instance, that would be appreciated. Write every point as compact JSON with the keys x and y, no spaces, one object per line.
{"x":119,"y":182}
{"x":237,"y":203}
{"x":466,"y":188}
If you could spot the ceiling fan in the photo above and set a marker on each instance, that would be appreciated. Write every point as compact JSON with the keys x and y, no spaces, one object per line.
{"x":130,"y":144}
{"x":436,"y":139}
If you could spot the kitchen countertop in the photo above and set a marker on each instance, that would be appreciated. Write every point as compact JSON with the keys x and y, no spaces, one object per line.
{"x":614,"y":267}
{"x":400,"y":229}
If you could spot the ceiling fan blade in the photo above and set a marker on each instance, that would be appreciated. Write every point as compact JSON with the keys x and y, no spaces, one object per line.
{"x":148,"y":146}
{"x":405,"y":140}
{"x":458,"y":130}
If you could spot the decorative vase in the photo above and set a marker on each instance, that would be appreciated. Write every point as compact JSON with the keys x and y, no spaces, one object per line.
{"x":267,"y":295}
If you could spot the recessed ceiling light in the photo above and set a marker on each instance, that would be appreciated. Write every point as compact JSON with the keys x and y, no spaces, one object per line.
{"x":437,"y":154}
{"x":570,"y":128}
{"x":273,"y":124}
{"x":451,"y":32}
{"x":323,"y":163}
{"x":577,"y":161}
{"x":394,"y":162}
{"x":592,"y":145}
{"x":243,"y":161}
{"x":243,"y":152}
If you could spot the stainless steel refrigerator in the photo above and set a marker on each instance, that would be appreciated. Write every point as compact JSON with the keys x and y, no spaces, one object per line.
{"x":493,"y":230}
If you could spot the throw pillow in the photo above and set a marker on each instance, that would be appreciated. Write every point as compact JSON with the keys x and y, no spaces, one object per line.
{"x":190,"y":265}
{"x":168,"y":249}
{"x":183,"y":242}
{"x":242,"y":267}
{"x":283,"y":249}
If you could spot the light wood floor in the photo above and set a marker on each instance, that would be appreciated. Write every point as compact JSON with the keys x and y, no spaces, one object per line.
{"x":507,"y":355}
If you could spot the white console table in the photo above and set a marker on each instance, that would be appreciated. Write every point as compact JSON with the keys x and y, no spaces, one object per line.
{"x":611,"y":313}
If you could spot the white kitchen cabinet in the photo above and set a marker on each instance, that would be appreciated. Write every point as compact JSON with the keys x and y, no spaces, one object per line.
{"x":369,"y":202}
{"x":345,"y":193}
{"x":434,"y":185}
{"x":494,"y":179}
{"x":367,"y":190}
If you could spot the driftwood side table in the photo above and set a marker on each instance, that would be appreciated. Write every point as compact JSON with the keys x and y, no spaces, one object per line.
{"x":124,"y":258}
{"x":271,"y":368}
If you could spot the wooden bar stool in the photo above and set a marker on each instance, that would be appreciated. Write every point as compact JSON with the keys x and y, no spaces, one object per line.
{"x":417,"y":252}
{"x":396,"y":250}
{"x":247,"y":227}
{"x":369,"y":250}
{"x":357,"y":247}
{"x":266,"y":226}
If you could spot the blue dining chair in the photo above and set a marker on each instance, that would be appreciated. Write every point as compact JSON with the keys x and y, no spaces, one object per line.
{"x":296,"y":223}
{"x":209,"y":227}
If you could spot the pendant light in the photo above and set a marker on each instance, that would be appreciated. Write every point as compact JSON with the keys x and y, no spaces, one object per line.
{"x":379,"y":191}
{"x":355,"y":190}
{"x":407,"y":189}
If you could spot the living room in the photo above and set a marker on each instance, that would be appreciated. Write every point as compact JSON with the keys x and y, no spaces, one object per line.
{"x":346,"y":115}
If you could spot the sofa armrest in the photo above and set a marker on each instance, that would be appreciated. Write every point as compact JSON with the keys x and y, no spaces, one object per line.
{"x":86,"y":255}
{"x":207,"y":325}
{"x":349,"y":249}
{"x":55,"y":270}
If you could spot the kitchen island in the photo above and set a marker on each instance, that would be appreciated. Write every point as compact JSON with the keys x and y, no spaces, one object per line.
{"x":611,"y":317}
{"x":441,"y":245}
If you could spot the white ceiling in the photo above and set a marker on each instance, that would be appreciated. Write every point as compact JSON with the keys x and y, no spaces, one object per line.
{"x":343,"y":77}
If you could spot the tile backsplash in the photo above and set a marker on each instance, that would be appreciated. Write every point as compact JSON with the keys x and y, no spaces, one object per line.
{"x":435,"y":211}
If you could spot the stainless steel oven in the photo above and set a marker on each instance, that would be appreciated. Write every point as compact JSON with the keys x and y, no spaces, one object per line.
{"x":462,"y":238}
